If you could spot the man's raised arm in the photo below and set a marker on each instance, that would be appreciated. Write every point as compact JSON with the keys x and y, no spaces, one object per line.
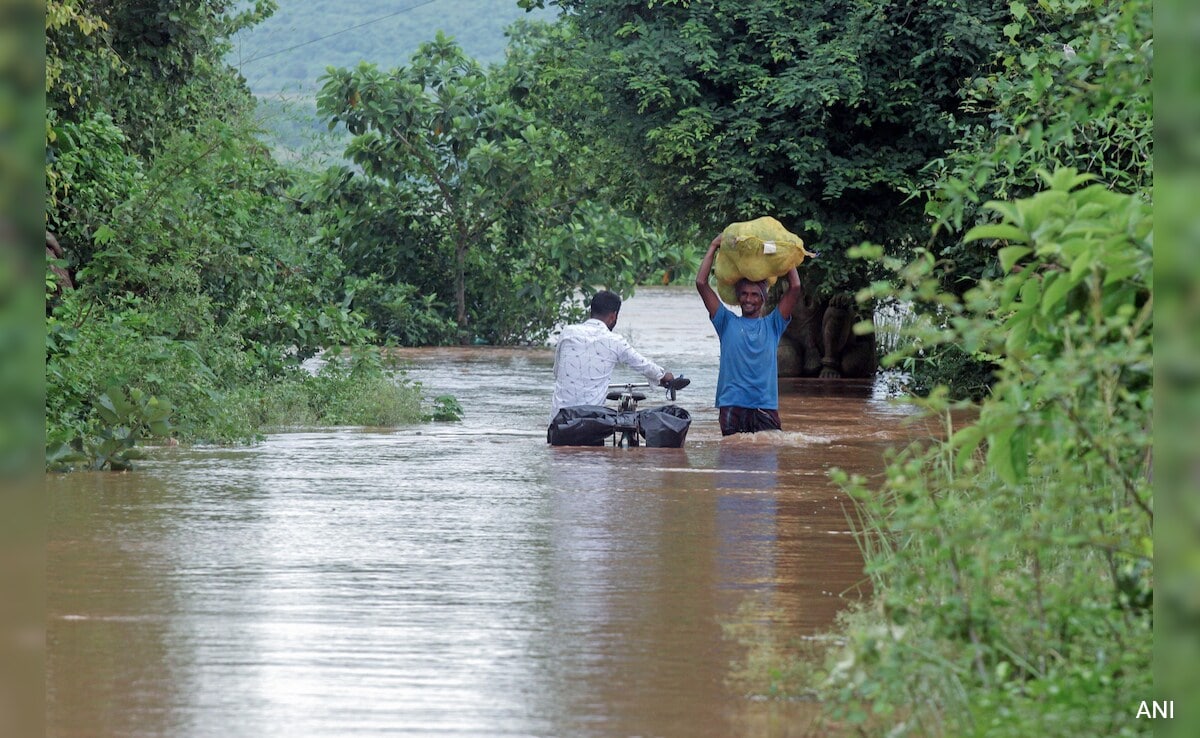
{"x":707,"y":294}
{"x":787,"y":303}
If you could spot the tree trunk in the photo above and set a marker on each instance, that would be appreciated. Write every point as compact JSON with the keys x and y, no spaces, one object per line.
{"x":460,"y":288}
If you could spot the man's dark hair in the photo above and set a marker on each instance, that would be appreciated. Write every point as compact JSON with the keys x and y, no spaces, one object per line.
{"x":605,"y":302}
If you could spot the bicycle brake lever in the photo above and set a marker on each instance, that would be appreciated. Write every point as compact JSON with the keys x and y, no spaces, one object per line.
{"x":678,"y":382}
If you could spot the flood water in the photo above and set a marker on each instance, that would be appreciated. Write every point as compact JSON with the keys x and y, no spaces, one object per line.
{"x":461,"y":579}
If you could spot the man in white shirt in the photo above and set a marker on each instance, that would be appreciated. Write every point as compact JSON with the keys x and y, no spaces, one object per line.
{"x":588,"y":352}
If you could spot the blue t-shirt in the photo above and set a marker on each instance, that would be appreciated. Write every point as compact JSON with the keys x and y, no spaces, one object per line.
{"x":749,"y":375}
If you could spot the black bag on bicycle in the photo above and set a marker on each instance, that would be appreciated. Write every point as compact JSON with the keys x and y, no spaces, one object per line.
{"x":664,"y":427}
{"x":582,"y":425}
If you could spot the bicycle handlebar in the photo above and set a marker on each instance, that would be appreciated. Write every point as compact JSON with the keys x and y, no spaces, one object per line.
{"x":676,"y":384}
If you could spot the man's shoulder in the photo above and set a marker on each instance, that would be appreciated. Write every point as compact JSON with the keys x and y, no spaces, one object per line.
{"x":574,"y":329}
{"x":583,"y":332}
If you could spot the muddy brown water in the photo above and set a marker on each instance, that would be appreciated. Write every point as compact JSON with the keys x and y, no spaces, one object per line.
{"x":461,"y":579}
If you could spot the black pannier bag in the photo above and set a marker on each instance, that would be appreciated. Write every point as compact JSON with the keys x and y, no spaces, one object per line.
{"x":664,"y":427}
{"x":582,"y":425}
{"x":593,"y":425}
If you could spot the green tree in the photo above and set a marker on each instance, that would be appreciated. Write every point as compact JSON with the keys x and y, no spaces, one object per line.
{"x":1070,"y":87}
{"x":822,"y":114}
{"x":122,"y":78}
{"x":1040,"y":623}
{"x":196,"y":286}
{"x":469,"y":198}
{"x":437,"y":127}
{"x":154,"y":66}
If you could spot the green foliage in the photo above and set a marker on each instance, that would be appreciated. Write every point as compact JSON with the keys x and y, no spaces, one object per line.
{"x":89,"y":349}
{"x":465,"y":199}
{"x":124,"y":81}
{"x":124,"y":417}
{"x":78,"y":59}
{"x":91,"y":173}
{"x":340,"y":394}
{"x":820,"y":114}
{"x":1012,"y":561}
{"x":965,"y":375}
{"x":197,"y":277}
{"x":434,"y":125}
{"x":401,"y":312}
{"x":445,"y":408}
{"x":616,"y":249}
{"x":531,"y":284}
{"x":219,"y":391}
{"x":155,"y":67}
{"x":210,"y":243}
{"x":1070,"y":88}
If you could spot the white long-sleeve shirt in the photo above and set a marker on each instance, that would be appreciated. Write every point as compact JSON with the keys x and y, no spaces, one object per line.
{"x":584,"y":360}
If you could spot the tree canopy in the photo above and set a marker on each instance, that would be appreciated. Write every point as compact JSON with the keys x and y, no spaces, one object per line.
{"x":1069,"y":87}
{"x":821,"y":114}
{"x":183,"y":285}
{"x":477,"y":187}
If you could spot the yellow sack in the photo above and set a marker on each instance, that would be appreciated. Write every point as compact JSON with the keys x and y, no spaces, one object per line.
{"x":725,"y":292}
{"x":756,"y":250}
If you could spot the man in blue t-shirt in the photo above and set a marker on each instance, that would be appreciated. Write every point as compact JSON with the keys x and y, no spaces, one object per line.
{"x":748,"y":381}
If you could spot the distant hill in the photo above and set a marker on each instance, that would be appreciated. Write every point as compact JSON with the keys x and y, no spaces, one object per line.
{"x":290,"y":50}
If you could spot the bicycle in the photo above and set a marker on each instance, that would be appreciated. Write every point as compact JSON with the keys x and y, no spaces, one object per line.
{"x":628,"y":430}
{"x":625,"y":424}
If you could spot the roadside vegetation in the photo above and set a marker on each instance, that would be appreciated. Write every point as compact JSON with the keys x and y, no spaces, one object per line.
{"x":985,"y":163}
{"x":1011,"y":563}
{"x":188,"y":287}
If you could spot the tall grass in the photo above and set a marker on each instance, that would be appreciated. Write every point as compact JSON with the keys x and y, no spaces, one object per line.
{"x":333,"y":396}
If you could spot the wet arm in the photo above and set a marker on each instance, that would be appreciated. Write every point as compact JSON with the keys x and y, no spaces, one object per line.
{"x":707,"y":294}
{"x":787,"y":303}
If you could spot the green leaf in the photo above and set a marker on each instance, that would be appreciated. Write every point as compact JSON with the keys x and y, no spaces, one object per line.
{"x":1017,"y":337}
{"x":103,"y":235}
{"x":1080,"y":266}
{"x":119,"y":403}
{"x":1056,"y":287}
{"x":1065,"y":179}
{"x":999,"y":455}
{"x":106,"y":410}
{"x":966,"y":441}
{"x":998,"y":231}
{"x":61,"y":454}
{"x":1035,"y":135}
{"x":1009,"y":255}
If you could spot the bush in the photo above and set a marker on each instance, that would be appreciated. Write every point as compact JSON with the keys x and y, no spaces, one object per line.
{"x":1012,"y":562}
{"x":964,"y":376}
{"x":340,"y":394}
